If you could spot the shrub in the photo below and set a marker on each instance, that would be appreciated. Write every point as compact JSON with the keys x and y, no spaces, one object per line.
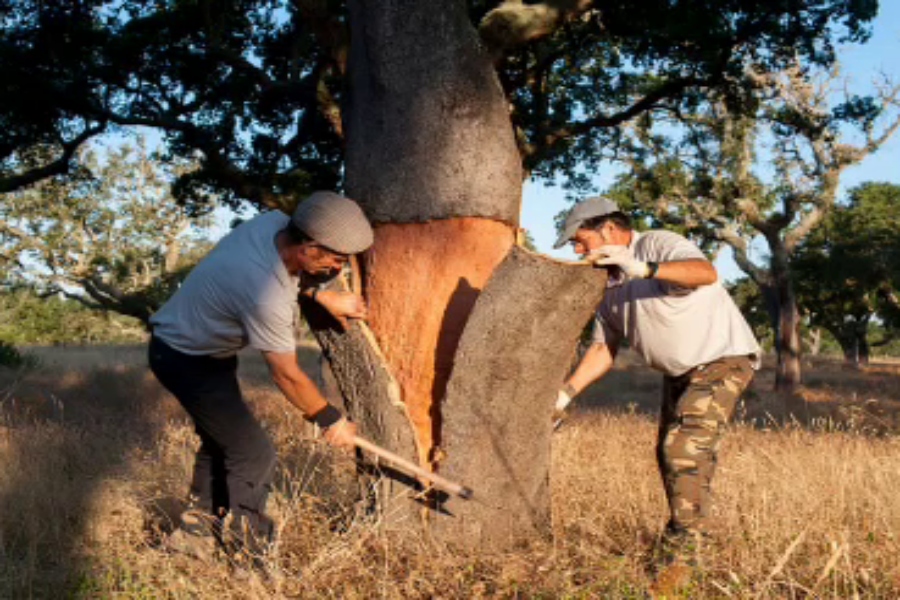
{"x":10,"y":357}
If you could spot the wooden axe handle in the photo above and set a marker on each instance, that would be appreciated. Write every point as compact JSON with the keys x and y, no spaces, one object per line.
{"x":410,"y":467}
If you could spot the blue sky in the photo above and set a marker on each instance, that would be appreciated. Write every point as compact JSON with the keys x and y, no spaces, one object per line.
{"x":860,"y":65}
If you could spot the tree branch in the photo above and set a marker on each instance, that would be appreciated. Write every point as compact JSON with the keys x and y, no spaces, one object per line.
{"x":513,"y":22}
{"x":550,"y":141}
{"x":59,"y":166}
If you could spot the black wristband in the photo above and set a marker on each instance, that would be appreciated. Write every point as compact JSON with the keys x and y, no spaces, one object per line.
{"x":652,"y":268}
{"x":326,"y":417}
{"x":315,"y":292}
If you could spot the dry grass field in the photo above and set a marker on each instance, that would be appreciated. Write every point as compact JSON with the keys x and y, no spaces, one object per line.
{"x":94,"y":458}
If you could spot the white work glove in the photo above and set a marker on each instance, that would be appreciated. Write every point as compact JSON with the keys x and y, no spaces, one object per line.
{"x":559,"y":409}
{"x":562,"y":401}
{"x":622,"y":257}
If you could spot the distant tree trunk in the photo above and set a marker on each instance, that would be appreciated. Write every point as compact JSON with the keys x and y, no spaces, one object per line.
{"x":781,"y":303}
{"x":814,"y":341}
{"x":432,"y":159}
{"x":862,"y":344}
{"x":852,"y":336}
{"x":788,"y":375}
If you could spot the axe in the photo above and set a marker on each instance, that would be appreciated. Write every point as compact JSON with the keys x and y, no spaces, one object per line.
{"x":451,"y":487}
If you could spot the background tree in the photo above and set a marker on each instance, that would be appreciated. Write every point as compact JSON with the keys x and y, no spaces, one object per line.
{"x":749,"y":299}
{"x":113,"y":238}
{"x":430,"y":114}
{"x":762,"y":161}
{"x":847,"y":270}
{"x":29,"y":319}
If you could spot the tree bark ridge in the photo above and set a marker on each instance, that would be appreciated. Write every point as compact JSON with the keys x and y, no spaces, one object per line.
{"x":515,"y":351}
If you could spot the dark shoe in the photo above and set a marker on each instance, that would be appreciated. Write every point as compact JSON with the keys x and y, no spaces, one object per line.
{"x":673,"y":581}
{"x":675,"y":563}
{"x":248,"y":547}
{"x":196,"y":535}
{"x":680,"y":546}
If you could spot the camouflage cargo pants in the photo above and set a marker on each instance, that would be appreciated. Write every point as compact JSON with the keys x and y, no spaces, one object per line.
{"x":696,"y":408}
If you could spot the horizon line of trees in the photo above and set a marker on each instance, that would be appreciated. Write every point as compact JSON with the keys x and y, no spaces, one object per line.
{"x":845,"y":272}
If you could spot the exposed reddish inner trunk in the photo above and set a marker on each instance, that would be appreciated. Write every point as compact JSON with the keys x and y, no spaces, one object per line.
{"x":422,"y":280}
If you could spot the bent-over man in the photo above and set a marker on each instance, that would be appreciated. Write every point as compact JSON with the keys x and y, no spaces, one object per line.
{"x":664,"y":298}
{"x":244,"y":293}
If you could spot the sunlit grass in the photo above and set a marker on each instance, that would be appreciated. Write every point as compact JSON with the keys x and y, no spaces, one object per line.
{"x":95,"y":458}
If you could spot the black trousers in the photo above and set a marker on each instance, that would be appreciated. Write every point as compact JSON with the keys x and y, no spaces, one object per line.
{"x":235,"y":464}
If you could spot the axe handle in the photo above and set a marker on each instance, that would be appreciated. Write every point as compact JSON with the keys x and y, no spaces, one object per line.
{"x":441,"y":482}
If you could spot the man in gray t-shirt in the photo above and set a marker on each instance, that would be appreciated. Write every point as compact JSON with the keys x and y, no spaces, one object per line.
{"x":244,"y":293}
{"x":664,"y":298}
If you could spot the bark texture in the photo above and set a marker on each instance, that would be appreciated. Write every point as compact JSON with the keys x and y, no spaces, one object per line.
{"x":422,"y":281}
{"x":514,"y":353}
{"x":366,"y":389}
{"x":429,"y":135}
{"x":432,"y":159}
{"x":788,"y":343}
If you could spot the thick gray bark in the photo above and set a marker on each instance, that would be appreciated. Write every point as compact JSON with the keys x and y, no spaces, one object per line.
{"x":366,"y":391}
{"x":428,"y":129}
{"x":514,"y":353}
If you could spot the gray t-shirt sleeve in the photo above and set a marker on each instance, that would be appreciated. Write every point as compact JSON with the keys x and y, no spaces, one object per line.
{"x":665,"y":246}
{"x":270,"y":327}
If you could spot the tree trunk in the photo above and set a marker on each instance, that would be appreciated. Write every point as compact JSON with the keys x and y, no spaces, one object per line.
{"x":814,"y":341}
{"x":788,"y":375}
{"x":854,"y":343}
{"x":851,"y":354}
{"x":497,"y":415}
{"x":862,"y":343}
{"x":781,"y":302}
{"x":432,"y":159}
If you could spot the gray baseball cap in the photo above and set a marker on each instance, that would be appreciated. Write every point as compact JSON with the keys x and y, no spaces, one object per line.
{"x":336,"y":222}
{"x":589,"y":208}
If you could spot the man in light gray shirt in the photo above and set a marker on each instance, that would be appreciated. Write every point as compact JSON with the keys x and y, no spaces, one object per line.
{"x":244,"y":293}
{"x":664,"y":298}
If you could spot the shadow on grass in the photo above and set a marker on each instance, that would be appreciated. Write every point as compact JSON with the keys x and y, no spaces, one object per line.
{"x":66,"y":433}
{"x":77,"y":434}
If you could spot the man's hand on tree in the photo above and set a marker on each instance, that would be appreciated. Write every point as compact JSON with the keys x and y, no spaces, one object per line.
{"x":343,"y":305}
{"x":341,"y":434}
{"x":623,"y":258}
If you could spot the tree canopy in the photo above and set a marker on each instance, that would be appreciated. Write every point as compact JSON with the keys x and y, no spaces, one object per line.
{"x":848,"y":271}
{"x":112,"y":239}
{"x":257,"y":87}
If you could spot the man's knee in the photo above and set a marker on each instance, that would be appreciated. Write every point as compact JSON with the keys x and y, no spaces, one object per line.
{"x":264,"y":459}
{"x":253,"y":457}
{"x":689,"y":445}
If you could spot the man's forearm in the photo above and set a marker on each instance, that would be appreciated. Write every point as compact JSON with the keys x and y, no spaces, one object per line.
{"x":595,"y":363}
{"x":687,"y":273}
{"x":296,"y":385}
{"x":301,"y":392}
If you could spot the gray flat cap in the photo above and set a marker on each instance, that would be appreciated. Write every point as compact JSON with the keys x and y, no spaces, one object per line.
{"x":590,"y":208}
{"x":336,"y":222}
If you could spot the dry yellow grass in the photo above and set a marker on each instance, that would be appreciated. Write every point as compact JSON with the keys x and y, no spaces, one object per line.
{"x":95,"y":458}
